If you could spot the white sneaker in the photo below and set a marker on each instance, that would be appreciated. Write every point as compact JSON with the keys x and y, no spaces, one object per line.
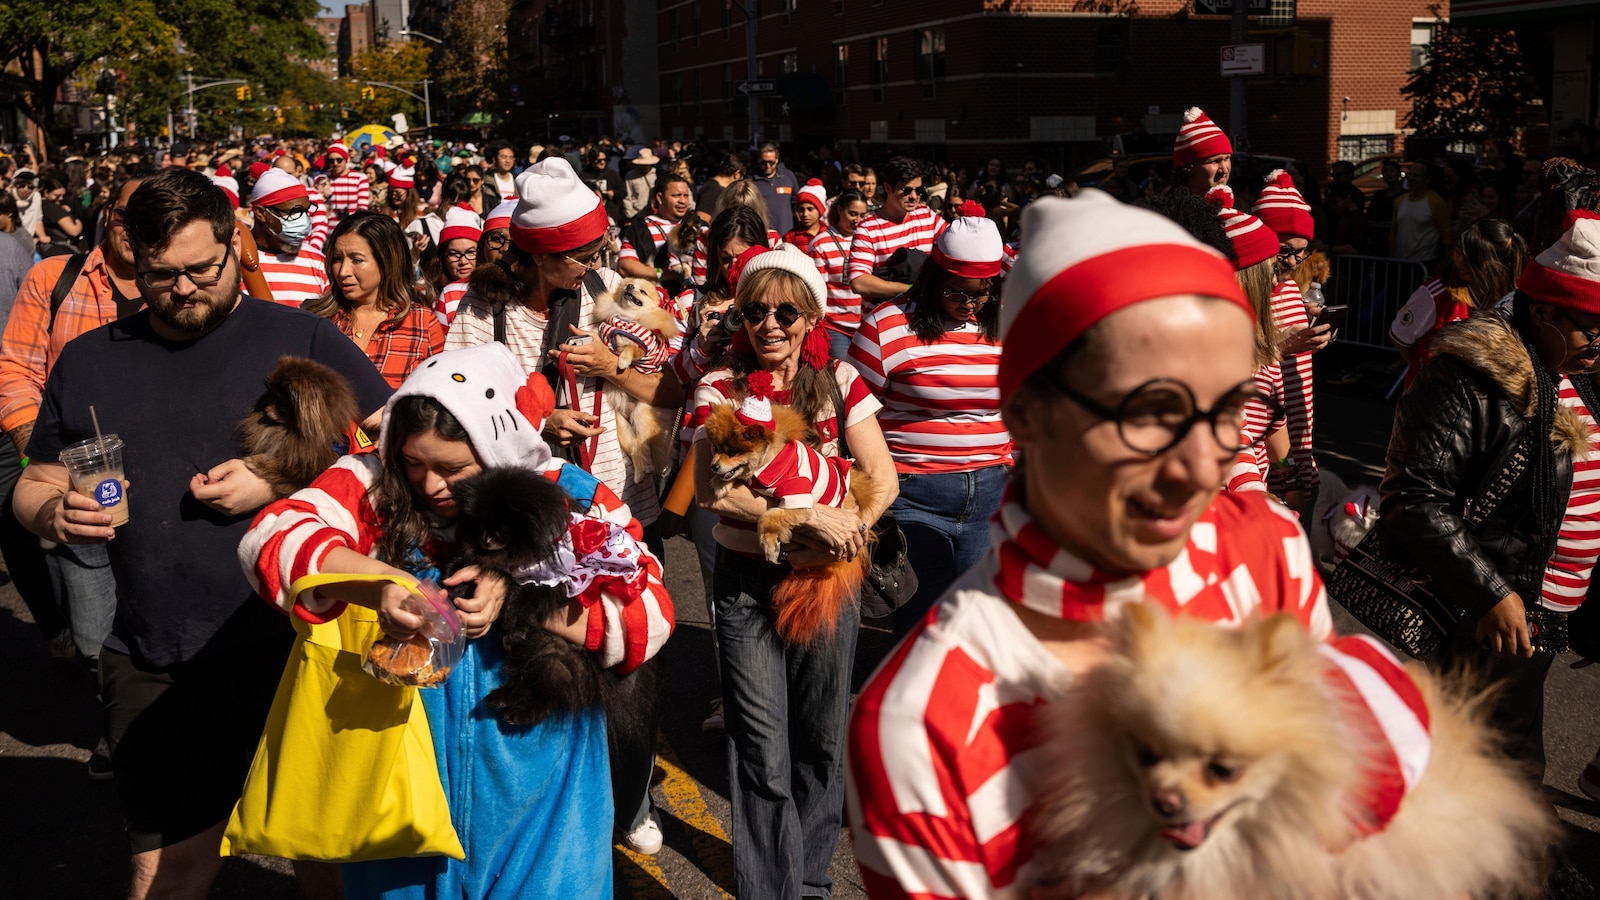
{"x":646,"y":838}
{"x":714,"y":721}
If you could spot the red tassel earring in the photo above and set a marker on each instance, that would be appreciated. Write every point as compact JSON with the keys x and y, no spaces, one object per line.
{"x":817,"y":349}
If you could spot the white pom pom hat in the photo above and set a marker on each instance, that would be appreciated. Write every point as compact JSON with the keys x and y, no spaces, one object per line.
{"x":1567,"y":273}
{"x":971,"y":247}
{"x":555,"y":211}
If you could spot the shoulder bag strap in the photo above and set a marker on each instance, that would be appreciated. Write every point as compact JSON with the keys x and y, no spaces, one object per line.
{"x":64,"y":282}
{"x":500,"y":323}
{"x":838,"y":410}
{"x":1480,"y":509}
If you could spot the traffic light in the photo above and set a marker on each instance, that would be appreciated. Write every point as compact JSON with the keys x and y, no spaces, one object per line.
{"x":242,"y":92}
{"x":368,"y":94}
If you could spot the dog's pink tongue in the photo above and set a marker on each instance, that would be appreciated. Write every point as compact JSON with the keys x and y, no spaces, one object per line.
{"x":1187,"y":836}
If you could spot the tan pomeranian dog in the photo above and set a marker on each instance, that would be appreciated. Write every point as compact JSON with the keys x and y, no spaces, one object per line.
{"x":746,"y":450}
{"x":638,"y":330}
{"x":1202,"y":762}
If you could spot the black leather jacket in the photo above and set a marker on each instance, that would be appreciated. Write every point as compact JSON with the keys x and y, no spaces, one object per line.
{"x":1453,"y":432}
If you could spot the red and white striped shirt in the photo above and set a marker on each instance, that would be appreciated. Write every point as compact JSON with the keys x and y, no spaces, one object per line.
{"x":1566,"y":578}
{"x":1289,"y":311}
{"x":877,"y":238}
{"x":656,"y":351}
{"x":351,"y":192}
{"x":800,"y":478}
{"x":291,"y":538}
{"x":295,"y":277}
{"x":321,"y":226}
{"x":449,"y":299}
{"x":660,"y":232}
{"x":1008,"y":258}
{"x":941,"y":401}
{"x":830,"y":250}
{"x":944,"y":757}
{"x":1250,"y":469}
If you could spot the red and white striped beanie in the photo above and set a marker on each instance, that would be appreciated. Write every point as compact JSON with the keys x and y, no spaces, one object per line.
{"x":404,"y":177}
{"x":1252,"y":240}
{"x":461,"y":223}
{"x":813,"y":193}
{"x":971,"y":247}
{"x":1567,"y":273}
{"x":1283,"y":209}
{"x":757,"y":406}
{"x":1084,"y":258}
{"x":500,"y":216}
{"x":1387,"y":712}
{"x":276,"y":186}
{"x":1199,"y":138}
{"x":230,"y":186}
{"x":555,"y":211}
{"x":339,"y":150}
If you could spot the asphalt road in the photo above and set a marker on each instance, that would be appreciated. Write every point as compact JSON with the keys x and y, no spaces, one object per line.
{"x":60,"y":836}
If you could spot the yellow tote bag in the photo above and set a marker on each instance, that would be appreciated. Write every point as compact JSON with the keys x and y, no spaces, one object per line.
{"x":345,"y":770}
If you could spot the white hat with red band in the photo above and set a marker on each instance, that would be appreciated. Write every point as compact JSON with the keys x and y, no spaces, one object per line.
{"x":276,"y":186}
{"x":230,"y":186}
{"x":1567,"y":273}
{"x":813,"y":193}
{"x":556,"y":211}
{"x":1085,"y":258}
{"x":971,"y":247}
{"x":338,"y":150}
{"x":404,"y":177}
{"x":461,"y":223}
{"x":500,"y":216}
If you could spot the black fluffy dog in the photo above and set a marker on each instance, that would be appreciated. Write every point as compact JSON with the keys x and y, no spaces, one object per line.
{"x":510,"y":518}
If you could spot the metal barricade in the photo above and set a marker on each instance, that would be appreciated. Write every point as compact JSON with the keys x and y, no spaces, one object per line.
{"x":1375,"y":288}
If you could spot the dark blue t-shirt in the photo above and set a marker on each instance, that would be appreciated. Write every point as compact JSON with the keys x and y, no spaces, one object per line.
{"x":180,"y":591}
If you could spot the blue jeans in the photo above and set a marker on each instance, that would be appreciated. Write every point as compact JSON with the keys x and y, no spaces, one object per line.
{"x":786,"y":710}
{"x":945,"y":518}
{"x":83,"y":581}
{"x":839,"y":345}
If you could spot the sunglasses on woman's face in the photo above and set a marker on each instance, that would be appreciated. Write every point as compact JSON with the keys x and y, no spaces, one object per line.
{"x":756,"y":314}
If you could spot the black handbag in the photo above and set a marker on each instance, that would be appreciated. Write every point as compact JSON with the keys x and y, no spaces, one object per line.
{"x":1379,"y":585}
{"x":891,"y":581}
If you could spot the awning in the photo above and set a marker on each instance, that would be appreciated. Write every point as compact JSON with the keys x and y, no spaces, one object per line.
{"x":1515,"y":12}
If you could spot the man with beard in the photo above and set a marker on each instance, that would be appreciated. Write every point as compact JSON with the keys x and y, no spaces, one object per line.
{"x":189,"y":670}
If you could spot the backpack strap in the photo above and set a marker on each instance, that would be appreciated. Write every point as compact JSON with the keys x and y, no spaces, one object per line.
{"x":64,"y":282}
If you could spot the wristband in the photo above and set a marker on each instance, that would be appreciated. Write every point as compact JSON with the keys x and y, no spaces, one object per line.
{"x":1282,"y":464}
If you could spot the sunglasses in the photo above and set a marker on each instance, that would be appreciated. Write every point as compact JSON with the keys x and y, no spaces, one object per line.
{"x":857,"y":182}
{"x":961,"y":298}
{"x":909,"y":191}
{"x":756,"y":314}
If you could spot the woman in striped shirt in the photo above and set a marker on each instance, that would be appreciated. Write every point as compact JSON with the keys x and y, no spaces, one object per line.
{"x":931,"y":357}
{"x":830,"y":250}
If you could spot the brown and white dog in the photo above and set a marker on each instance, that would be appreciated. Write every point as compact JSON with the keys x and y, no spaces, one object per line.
{"x":639,"y":331}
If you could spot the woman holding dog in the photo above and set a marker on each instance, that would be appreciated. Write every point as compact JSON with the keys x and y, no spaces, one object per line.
{"x":532,"y":805}
{"x":785,"y":705}
{"x":1126,"y":361}
{"x":931,"y":357}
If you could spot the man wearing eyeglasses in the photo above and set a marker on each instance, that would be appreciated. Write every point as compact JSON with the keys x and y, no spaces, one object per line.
{"x":290,"y":242}
{"x":76,"y":612}
{"x":778,"y":186}
{"x":1126,"y":363}
{"x":190,"y":667}
{"x":904,"y":223}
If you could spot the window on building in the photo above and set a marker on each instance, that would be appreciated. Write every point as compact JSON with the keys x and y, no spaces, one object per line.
{"x":841,"y":66}
{"x":838,"y":7}
{"x":672,"y":25}
{"x":1110,"y":46}
{"x":677,"y":88}
{"x":1356,"y":148}
{"x":791,"y":63}
{"x":880,"y":60}
{"x":1421,"y":40}
{"x":727,"y":16}
{"x":930,"y":54}
{"x":694,"y":87}
{"x":727,"y":89}
{"x":694,"y":20}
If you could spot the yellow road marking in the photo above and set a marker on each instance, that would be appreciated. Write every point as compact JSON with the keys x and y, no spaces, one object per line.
{"x":645,"y":879}
{"x":710,"y":840}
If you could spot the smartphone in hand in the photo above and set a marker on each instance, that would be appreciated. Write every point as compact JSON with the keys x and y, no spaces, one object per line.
{"x":1331,"y":315}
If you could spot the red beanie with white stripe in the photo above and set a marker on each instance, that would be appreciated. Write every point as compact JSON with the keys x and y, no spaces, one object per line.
{"x":815,"y":194}
{"x":276,"y":186}
{"x":971,"y":247}
{"x":1252,"y":240}
{"x":1084,"y":258}
{"x":1283,"y":209}
{"x":1199,"y":138}
{"x":556,"y":211}
{"x":1567,"y":273}
{"x":460,"y":223}
{"x":339,"y":150}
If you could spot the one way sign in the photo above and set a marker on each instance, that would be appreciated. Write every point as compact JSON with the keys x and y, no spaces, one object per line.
{"x":757,"y":87}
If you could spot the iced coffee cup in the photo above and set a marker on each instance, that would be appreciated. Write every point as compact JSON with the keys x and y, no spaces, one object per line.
{"x":95,"y":467}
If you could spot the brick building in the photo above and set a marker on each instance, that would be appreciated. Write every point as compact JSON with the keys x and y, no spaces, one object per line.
{"x":329,"y":27}
{"x":357,"y":32}
{"x":583,"y":67}
{"x":965,"y":79}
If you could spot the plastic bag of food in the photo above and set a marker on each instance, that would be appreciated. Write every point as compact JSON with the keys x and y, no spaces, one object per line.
{"x":426,"y":658}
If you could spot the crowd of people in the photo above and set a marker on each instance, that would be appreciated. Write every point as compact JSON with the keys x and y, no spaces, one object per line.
{"x":1064,"y":399}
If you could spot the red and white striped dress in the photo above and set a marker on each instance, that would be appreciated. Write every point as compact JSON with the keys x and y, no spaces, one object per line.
{"x":1289,"y":311}
{"x":877,"y":238}
{"x":1250,"y":469}
{"x":351,"y":192}
{"x":941,"y":401}
{"x":830,"y":250}
{"x":943,"y":754}
{"x":295,"y":277}
{"x":1567,"y":577}
{"x":449,"y":299}
{"x":291,"y":538}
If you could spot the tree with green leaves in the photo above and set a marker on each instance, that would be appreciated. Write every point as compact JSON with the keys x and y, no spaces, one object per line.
{"x":403,"y":63}
{"x":474,"y":69}
{"x":1475,"y":83}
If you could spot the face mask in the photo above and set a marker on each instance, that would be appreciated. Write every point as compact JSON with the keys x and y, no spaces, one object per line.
{"x":294,"y":233}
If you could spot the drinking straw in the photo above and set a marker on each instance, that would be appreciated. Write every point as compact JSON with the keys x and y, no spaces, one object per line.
{"x":99,"y":439}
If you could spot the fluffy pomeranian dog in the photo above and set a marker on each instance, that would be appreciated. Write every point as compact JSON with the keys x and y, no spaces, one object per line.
{"x":300,"y":425}
{"x":1313,"y":269}
{"x":1340,"y":518}
{"x":807,"y":602}
{"x":639,"y":331}
{"x":1205,"y":762}
{"x":511,"y":518}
